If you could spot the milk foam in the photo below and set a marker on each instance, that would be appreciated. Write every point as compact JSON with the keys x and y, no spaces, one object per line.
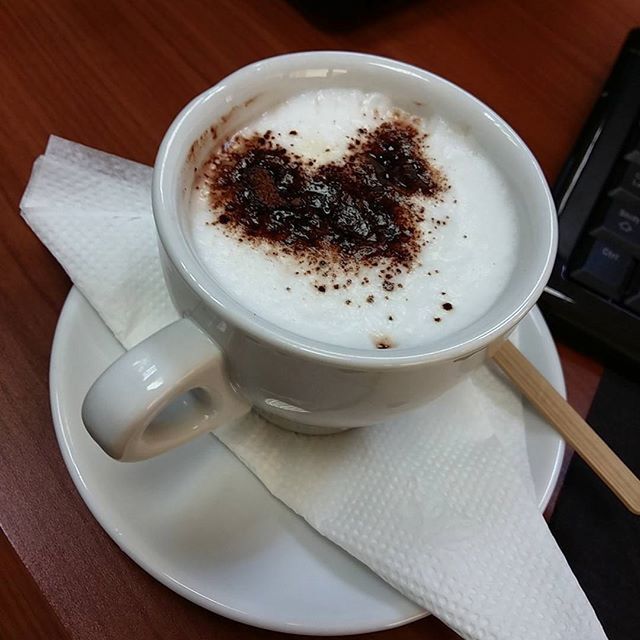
{"x":462,"y":269}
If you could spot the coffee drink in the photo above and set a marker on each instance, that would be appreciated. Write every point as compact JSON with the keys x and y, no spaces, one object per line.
{"x":343,"y":219}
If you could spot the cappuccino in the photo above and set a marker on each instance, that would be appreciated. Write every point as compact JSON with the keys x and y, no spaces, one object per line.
{"x":343,"y":219}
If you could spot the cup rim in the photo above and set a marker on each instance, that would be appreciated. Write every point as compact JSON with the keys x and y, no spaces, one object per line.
{"x":205,"y":287}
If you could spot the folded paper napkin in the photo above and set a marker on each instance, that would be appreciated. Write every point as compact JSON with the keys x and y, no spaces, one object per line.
{"x":440,"y":503}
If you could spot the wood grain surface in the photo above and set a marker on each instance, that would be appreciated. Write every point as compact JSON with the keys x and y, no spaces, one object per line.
{"x":112,"y":74}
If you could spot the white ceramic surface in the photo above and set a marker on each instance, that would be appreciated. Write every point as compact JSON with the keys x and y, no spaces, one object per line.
{"x":198,"y":521}
{"x":300,"y":383}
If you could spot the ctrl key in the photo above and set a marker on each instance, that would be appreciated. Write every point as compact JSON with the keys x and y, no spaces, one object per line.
{"x":605,"y":269}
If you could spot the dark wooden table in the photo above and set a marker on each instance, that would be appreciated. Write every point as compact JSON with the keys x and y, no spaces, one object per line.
{"x":112,"y":75}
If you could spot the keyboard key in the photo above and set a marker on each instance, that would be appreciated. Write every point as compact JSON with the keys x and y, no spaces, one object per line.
{"x":634,"y":154}
{"x":605,"y":269}
{"x":632,"y":299}
{"x":629,"y":188}
{"x":621,"y":224}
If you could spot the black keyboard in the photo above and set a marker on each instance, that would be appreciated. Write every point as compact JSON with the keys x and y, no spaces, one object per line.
{"x":595,"y":285}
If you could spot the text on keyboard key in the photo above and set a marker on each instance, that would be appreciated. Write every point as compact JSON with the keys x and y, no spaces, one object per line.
{"x":605,"y":269}
{"x":621,"y":224}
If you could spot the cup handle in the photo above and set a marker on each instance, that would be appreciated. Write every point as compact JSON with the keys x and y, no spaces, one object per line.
{"x":165,"y":391}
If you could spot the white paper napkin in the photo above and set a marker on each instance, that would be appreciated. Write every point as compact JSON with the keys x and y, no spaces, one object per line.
{"x":439,"y":503}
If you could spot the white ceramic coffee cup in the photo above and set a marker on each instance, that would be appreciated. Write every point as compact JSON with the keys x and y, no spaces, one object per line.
{"x":221,"y":360}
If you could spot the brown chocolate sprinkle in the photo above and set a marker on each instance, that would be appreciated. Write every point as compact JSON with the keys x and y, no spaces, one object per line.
{"x":370,"y":299}
{"x":447,"y":306}
{"x":383,"y":343}
{"x":293,"y":132}
{"x":353,"y":212}
{"x":437,"y":319}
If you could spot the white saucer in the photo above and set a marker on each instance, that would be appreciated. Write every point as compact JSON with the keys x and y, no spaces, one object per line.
{"x":198,"y":521}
